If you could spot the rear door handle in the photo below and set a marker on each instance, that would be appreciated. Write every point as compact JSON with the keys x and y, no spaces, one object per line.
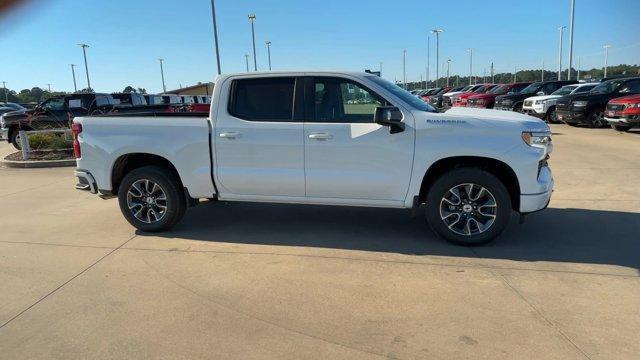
{"x":230,"y":135}
{"x":320,"y":136}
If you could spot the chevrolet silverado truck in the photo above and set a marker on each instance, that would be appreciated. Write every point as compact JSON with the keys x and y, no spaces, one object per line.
{"x":544,"y":106}
{"x":589,"y":108}
{"x":623,"y":113}
{"x":327,"y":138}
{"x":514,"y":102}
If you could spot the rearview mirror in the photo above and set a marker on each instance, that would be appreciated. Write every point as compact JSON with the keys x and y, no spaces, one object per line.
{"x":389,"y":116}
{"x":540,"y":93}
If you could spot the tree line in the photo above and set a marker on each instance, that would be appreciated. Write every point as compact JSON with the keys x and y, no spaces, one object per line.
{"x":38,"y":95}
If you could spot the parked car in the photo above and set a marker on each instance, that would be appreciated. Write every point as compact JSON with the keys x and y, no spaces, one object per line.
{"x":487,"y":100}
{"x":623,"y":113}
{"x":171,"y":99}
{"x":54,"y":113}
{"x":154,"y":99}
{"x":471,"y":167}
{"x":588,"y":108}
{"x":544,"y":106}
{"x":514,"y":102}
{"x":425,"y":96}
{"x":5,"y":109}
{"x":14,"y":106}
{"x":129,"y":99}
{"x":436,"y":100}
{"x":461,"y":100}
{"x":451,"y":97}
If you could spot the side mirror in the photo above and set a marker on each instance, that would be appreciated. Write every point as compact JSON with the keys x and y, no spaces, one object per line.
{"x":540,"y":93}
{"x":389,"y":116}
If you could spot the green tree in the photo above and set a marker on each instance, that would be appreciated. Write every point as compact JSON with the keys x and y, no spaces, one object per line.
{"x":129,"y":89}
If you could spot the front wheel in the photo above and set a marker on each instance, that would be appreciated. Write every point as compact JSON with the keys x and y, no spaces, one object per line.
{"x":552,"y":117}
{"x":518,"y":108}
{"x":15,"y":140}
{"x":596,"y":119}
{"x":623,"y":128}
{"x":468,"y":206}
{"x":151,"y":199}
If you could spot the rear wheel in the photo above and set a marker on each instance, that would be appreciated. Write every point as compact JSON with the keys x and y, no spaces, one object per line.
{"x":151,"y":199}
{"x":468,"y":206}
{"x":623,"y":128}
{"x":552,"y":117}
{"x":596,"y":119}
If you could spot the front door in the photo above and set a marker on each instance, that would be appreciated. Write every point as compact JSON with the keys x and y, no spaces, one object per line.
{"x":259,"y":148}
{"x":347,"y":155}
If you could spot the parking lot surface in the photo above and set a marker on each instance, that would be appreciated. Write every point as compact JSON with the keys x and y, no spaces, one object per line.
{"x":258,"y":281}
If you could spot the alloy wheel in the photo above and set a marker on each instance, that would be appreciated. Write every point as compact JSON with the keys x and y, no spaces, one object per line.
{"x":147,"y":201}
{"x":468,"y":209}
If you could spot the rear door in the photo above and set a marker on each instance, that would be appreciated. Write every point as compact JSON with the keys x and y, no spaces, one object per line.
{"x":347,"y":155}
{"x":259,"y":147}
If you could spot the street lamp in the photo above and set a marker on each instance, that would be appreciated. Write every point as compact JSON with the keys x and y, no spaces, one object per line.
{"x":448,"y":68}
{"x":404,"y":69}
{"x":73,"y":72}
{"x":215,"y":34}
{"x":426,"y":83}
{"x":606,"y":58}
{"x":49,"y":87}
{"x":269,"y":52}
{"x":561,"y":30}
{"x":86,"y":67}
{"x":164,"y":88}
{"x":6,"y":95}
{"x":246,"y":58}
{"x":470,"y":65}
{"x":380,"y":69}
{"x":437,"y":32}
{"x":252,"y":19}
{"x":573,"y":12}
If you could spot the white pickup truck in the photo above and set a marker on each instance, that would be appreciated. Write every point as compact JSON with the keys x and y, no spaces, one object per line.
{"x":330,"y":138}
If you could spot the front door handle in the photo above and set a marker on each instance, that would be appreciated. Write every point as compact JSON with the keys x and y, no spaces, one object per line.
{"x":230,"y":135}
{"x":320,"y":136}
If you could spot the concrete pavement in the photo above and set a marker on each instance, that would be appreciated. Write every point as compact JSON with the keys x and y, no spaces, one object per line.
{"x":261,"y":281}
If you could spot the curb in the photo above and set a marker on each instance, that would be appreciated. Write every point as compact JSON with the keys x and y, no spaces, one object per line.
{"x":37,"y":164}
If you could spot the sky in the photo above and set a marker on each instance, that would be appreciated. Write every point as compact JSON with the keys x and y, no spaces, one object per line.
{"x":126,"y":37}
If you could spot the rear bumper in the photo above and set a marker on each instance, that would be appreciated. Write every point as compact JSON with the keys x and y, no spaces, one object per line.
{"x":536,"y":202}
{"x":86,"y":182}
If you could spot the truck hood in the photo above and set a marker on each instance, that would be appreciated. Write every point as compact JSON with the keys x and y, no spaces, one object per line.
{"x":630,"y":99}
{"x":495,"y":118}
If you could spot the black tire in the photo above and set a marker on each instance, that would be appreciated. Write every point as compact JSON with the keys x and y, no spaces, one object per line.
{"x":551,"y":116}
{"x":518,"y":108}
{"x":462,"y":177}
{"x":175,"y":203}
{"x":596,"y":118}
{"x":623,"y":128}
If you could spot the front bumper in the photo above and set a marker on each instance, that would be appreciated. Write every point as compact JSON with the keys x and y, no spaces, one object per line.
{"x":86,"y":182}
{"x":533,"y":112}
{"x":4,"y":134}
{"x":631,"y":120}
{"x":571,"y":117}
{"x":536,"y":202}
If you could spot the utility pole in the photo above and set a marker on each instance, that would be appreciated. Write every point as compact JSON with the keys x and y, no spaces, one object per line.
{"x":215,"y":34}
{"x":86,"y":67}
{"x":448,"y":67}
{"x":380,"y":69}
{"x":73,"y":72}
{"x":6,"y":94}
{"x":571,"y":23}
{"x":437,"y":32}
{"x":246,"y":58}
{"x":470,"y":65}
{"x":49,"y":87}
{"x":492,"y":72}
{"x":426,"y":84}
{"x":252,"y":19}
{"x":542,"y":72}
{"x":561,"y":30}
{"x":269,"y":52}
{"x":404,"y":69}
{"x":164,"y":88}
{"x":606,"y":58}
{"x":515,"y":73}
{"x":484,"y":75}
{"x":578,"y":78}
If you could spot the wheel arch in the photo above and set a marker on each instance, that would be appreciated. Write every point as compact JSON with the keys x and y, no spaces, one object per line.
{"x":126,"y":163}
{"x":496,"y":167}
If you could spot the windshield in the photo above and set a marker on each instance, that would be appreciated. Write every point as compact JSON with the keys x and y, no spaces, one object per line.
{"x":499,"y":89}
{"x":565,"y":90}
{"x":531,"y":89}
{"x":466,"y":88}
{"x":404,"y":95}
{"x":607,"y":87}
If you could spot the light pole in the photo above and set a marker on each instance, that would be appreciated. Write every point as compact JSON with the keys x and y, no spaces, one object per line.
{"x":6,"y":95}
{"x":606,"y":58}
{"x":448,"y":68}
{"x":252,"y":19}
{"x":73,"y":72}
{"x":49,"y":87}
{"x":404,"y":69}
{"x":492,"y":72}
{"x":542,"y":72}
{"x":573,"y":12}
{"x":437,"y":32}
{"x":470,"y":65}
{"x":426,"y":84}
{"x":246,"y":58}
{"x":380,"y":69}
{"x":164,"y":88}
{"x":215,"y":34}
{"x":578,"y":78}
{"x":86,"y":67}
{"x":515,"y":74}
{"x":561,"y":30}
{"x":269,"y":52}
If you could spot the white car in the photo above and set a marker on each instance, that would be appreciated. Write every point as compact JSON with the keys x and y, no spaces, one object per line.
{"x":544,"y":106}
{"x":292,"y":137}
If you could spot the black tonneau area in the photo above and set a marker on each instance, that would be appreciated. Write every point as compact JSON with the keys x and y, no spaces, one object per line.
{"x":153,"y":114}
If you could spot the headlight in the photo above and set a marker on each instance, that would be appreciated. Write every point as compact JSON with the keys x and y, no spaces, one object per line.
{"x":537,"y":139}
{"x":580,"y":103}
{"x":540,"y":102}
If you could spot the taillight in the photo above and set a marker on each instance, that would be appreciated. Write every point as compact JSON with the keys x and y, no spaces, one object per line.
{"x":77,"y":129}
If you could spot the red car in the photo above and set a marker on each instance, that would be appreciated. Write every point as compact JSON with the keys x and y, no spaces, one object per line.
{"x":487,"y":100}
{"x":461,"y":100}
{"x":623,"y":113}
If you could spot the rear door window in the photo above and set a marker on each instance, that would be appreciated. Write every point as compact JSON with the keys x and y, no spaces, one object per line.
{"x":264,"y":99}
